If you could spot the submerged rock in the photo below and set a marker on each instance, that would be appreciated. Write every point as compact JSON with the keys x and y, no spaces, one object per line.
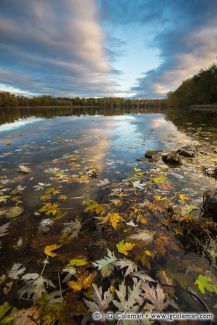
{"x":172,"y":158}
{"x":210,"y":204}
{"x":187,"y":151}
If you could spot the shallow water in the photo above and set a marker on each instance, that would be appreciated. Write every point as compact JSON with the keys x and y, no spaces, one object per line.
{"x":112,"y":142}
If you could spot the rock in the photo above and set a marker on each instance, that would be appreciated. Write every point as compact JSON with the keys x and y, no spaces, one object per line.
{"x":210,"y":204}
{"x":172,"y":158}
{"x":152,"y":154}
{"x":211,"y":171}
{"x":187,"y":151}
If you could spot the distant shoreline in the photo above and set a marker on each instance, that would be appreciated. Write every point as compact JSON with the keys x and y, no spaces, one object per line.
{"x":204,"y":108}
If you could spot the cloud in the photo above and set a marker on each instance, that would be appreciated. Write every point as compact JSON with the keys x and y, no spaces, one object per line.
{"x":56,"y":47}
{"x":187,"y":43}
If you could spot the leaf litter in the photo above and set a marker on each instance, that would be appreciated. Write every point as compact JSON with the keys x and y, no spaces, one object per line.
{"x":137,"y":222}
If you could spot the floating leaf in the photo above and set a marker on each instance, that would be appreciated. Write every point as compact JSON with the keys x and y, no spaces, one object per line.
{"x":48,"y":250}
{"x":204,"y":283}
{"x":50,"y":208}
{"x":183,"y":197}
{"x":78,"y":262}
{"x":106,"y":264}
{"x":113,"y":218}
{"x":3,"y":198}
{"x":131,"y":266}
{"x":16,"y":270}
{"x":24,"y":169}
{"x":124,"y":247}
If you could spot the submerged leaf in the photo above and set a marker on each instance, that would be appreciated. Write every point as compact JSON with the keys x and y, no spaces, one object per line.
{"x":13,"y":212}
{"x":84,"y":281}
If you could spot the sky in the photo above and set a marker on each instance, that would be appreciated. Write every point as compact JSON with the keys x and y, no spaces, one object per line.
{"x":95,"y":48}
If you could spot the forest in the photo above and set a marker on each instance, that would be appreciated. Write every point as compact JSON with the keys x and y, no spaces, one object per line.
{"x":201,"y":89}
{"x":8,"y":99}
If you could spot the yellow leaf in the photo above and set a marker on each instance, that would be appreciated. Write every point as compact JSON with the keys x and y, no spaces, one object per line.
{"x":183,"y":197}
{"x":113,"y":218}
{"x":142,"y":219}
{"x":159,"y":197}
{"x":124,"y":247}
{"x":62,"y":197}
{"x":78,"y":262}
{"x":48,"y":250}
{"x":84,"y":281}
{"x":4,"y":198}
{"x":45,"y":197}
{"x":117,"y":202}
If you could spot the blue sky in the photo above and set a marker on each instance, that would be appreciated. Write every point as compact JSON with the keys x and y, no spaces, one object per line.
{"x":129,"y":48}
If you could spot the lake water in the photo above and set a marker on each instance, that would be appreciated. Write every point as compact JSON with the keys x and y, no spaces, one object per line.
{"x":74,"y":155}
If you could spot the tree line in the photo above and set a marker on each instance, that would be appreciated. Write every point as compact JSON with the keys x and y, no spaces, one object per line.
{"x":8,"y":99}
{"x":201,"y":89}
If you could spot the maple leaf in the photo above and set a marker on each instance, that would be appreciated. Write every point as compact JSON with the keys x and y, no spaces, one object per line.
{"x":72,"y":228}
{"x":92,"y":206}
{"x":53,"y":191}
{"x":103,"y":182}
{"x":161,"y":179}
{"x":183,"y":197}
{"x":45,"y":225}
{"x":106,"y":264}
{"x":16,"y":270}
{"x":100,"y":301}
{"x":112,"y":218}
{"x":35,"y":286}
{"x":4,"y":310}
{"x":40,"y":186}
{"x":155,"y":296}
{"x":24,"y":169}
{"x":78,"y":262}
{"x":4,"y":229}
{"x":48,"y":250}
{"x":3,"y":198}
{"x":45,"y":197}
{"x":50,"y":208}
{"x":129,"y":299}
{"x":131,"y":266}
{"x":124,"y":247}
{"x":71,"y":270}
{"x":162,"y":242}
{"x":84,"y":281}
{"x":204,"y":283}
{"x":144,"y":277}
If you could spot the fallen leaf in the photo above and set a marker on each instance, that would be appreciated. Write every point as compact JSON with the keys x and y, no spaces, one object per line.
{"x":124,"y":247}
{"x":48,"y":250}
{"x":84,"y":281}
{"x":78,"y":262}
{"x":204,"y":283}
